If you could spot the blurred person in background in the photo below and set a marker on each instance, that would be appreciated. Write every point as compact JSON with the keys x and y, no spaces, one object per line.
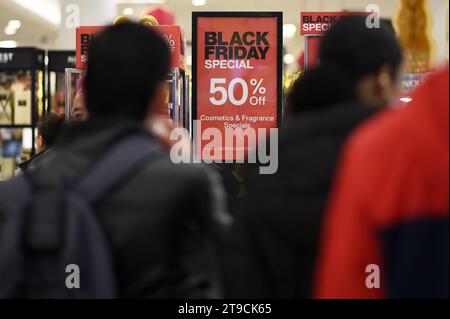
{"x":79,"y":111}
{"x":273,"y":245}
{"x":161,"y":220}
{"x":48,"y":128}
{"x":386,"y":230}
{"x":23,"y":82}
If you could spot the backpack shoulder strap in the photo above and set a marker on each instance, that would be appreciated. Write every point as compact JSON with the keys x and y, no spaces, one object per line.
{"x":115,"y":165}
{"x":16,"y":192}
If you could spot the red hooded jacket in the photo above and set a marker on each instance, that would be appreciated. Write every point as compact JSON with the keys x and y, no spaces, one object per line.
{"x":388,"y":212}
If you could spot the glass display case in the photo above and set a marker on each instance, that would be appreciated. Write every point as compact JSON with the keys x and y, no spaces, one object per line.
{"x":178,"y":98}
{"x":22,"y":99}
{"x":58,"y":62}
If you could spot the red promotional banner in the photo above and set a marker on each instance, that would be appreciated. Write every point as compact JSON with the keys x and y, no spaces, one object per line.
{"x":171,"y":34}
{"x":236,"y":80}
{"x":174,"y":38}
{"x":317,"y":23}
{"x":84,"y":35}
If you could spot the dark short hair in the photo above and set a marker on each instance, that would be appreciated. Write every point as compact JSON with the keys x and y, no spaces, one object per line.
{"x":126,"y":63}
{"x":358,"y":50}
{"x":48,"y":127}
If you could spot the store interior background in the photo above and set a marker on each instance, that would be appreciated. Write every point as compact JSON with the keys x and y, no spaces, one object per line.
{"x":50,"y":25}
{"x":43,"y":22}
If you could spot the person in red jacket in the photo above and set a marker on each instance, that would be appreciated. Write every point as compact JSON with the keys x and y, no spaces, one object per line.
{"x":385,"y":234}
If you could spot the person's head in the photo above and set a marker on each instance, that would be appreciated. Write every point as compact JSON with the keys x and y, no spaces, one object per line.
{"x":79,"y":111}
{"x":356,"y":63}
{"x":48,"y":127}
{"x":126,"y":72}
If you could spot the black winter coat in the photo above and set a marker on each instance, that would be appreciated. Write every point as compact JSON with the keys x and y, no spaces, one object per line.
{"x":162,"y":222}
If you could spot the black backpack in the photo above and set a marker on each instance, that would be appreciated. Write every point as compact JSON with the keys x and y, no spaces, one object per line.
{"x":51,"y":243}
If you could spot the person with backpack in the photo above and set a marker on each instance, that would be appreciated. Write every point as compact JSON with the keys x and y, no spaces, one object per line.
{"x":107,"y":214}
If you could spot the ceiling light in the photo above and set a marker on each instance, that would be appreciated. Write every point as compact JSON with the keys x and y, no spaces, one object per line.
{"x":8,"y":44}
{"x":14,"y":24}
{"x":406,"y":99}
{"x":289,"y":30}
{"x":198,"y":3}
{"x":288,"y":58}
{"x":10,"y":31}
{"x":128,"y":11}
{"x":143,"y":1}
{"x":48,"y":10}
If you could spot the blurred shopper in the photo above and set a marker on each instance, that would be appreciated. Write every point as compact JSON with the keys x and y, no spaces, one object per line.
{"x":48,"y":128}
{"x":273,"y":247}
{"x":386,"y":228}
{"x":160,"y":220}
